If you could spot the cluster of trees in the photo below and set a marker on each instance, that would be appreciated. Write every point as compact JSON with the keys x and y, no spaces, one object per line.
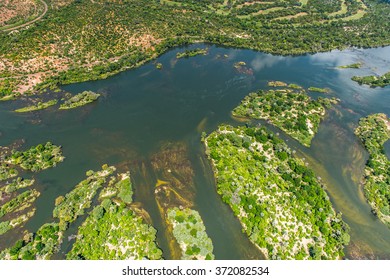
{"x":291,"y":109}
{"x":373,"y":81}
{"x":112,"y":230}
{"x":38,"y":106}
{"x":190,"y":233}
{"x":20,"y":202}
{"x":37,"y":158}
{"x":69,"y":207}
{"x":79,"y":100}
{"x":191,"y":53}
{"x":374,"y":131}
{"x":115,"y":232}
{"x":279,"y":201}
{"x":40,"y":245}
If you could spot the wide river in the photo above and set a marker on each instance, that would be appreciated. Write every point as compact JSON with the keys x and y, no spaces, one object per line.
{"x":142,"y":110}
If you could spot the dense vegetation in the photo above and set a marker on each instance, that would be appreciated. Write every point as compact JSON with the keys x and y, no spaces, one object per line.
{"x":88,"y":40}
{"x":374,"y":131}
{"x":191,"y":53}
{"x":74,"y":203}
{"x":37,"y":158}
{"x":39,"y":106}
{"x":290,"y":109}
{"x":190,"y":233}
{"x":17,"y":208}
{"x":113,"y":231}
{"x":279,"y":201}
{"x":373,"y":81}
{"x":79,"y":100}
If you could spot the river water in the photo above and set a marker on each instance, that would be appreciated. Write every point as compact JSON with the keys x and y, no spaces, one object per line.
{"x":142,"y":110}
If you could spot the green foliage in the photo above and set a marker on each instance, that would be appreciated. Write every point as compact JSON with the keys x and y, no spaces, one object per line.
{"x":22,"y":201}
{"x":37,"y":158}
{"x":317,"y":89}
{"x":190,"y":233}
{"x":373,"y":81}
{"x":374,"y":131}
{"x":114,"y":232}
{"x":351,"y":66}
{"x":125,"y":190}
{"x":6,"y":172}
{"x":79,"y":100}
{"x":278,"y":200}
{"x":39,"y":246}
{"x":191,"y":53}
{"x":39,"y":106}
{"x":80,"y":197}
{"x":290,"y":109}
{"x":132,"y":32}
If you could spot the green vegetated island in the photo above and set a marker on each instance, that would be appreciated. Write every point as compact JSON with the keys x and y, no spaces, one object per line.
{"x":191,"y":53}
{"x":17,"y":208}
{"x":374,"y":131}
{"x":288,"y":107}
{"x":75,"y":101}
{"x":373,"y":81}
{"x":112,"y":229}
{"x":351,"y":66}
{"x":190,"y":233}
{"x":134,"y":32}
{"x":280,"y":203}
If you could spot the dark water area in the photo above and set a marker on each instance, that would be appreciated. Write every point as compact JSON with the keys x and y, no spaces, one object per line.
{"x":142,"y":110}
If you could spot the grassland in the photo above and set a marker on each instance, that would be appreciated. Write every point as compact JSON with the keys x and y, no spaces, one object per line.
{"x":280,"y":203}
{"x":374,"y":131}
{"x":120,"y":35}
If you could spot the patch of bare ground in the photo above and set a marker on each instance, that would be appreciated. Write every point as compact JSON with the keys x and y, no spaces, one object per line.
{"x":10,"y":9}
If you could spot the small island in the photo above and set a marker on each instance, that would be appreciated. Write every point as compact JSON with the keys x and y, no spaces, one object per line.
{"x":190,"y":233}
{"x":39,"y":106}
{"x":374,"y":131}
{"x":280,"y":203}
{"x":290,"y":109}
{"x":37,"y":158}
{"x":373,"y":81}
{"x":79,"y":100}
{"x":357,"y":65}
{"x":320,"y":90}
{"x":191,"y":53}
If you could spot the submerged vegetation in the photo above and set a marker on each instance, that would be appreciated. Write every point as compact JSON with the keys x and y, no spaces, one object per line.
{"x":79,"y":100}
{"x":133,"y":32}
{"x":373,"y":81}
{"x":374,"y":131}
{"x":37,"y":158}
{"x":280,"y":202}
{"x":290,"y":109}
{"x":190,"y":233}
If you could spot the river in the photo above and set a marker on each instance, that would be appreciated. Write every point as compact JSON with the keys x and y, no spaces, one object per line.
{"x":142,"y":110}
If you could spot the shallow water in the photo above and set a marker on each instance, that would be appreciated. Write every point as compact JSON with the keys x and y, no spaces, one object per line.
{"x":143,"y":109}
